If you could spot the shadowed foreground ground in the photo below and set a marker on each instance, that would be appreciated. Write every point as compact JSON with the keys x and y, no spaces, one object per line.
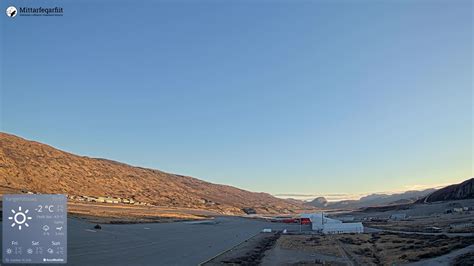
{"x":181,"y":243}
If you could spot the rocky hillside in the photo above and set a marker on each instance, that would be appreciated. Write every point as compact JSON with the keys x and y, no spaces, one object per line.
{"x":319,"y":202}
{"x":464,"y":190}
{"x":32,"y":166}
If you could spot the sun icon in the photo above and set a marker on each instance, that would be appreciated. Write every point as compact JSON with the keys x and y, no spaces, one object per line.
{"x":19,"y":218}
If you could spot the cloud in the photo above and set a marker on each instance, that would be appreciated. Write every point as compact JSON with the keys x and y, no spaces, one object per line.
{"x":422,"y":187}
{"x":347,"y":196}
{"x":329,"y":197}
{"x":294,"y":195}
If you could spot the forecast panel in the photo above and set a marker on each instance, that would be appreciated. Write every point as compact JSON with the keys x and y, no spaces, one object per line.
{"x":34,"y":228}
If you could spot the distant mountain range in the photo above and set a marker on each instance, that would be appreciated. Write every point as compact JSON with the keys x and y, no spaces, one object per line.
{"x":36,"y":167}
{"x":464,"y":190}
{"x":372,"y":200}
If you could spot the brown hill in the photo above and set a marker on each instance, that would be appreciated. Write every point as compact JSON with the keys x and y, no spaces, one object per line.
{"x":464,"y":190}
{"x":33,"y":166}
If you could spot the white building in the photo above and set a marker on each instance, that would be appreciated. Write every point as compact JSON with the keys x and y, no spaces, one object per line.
{"x":398,"y":216}
{"x":343,"y":228}
{"x":346,"y":218}
{"x":319,"y":222}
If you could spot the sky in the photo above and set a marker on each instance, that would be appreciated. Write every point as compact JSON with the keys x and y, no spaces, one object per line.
{"x":285,"y":97}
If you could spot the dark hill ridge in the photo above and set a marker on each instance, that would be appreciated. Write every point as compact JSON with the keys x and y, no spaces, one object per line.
{"x":464,"y":190}
{"x":33,"y":166}
{"x":319,"y":202}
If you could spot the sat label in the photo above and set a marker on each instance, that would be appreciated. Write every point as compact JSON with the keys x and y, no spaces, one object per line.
{"x":34,"y":228}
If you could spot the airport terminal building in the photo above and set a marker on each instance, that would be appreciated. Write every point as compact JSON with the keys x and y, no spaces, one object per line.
{"x":325,"y":225}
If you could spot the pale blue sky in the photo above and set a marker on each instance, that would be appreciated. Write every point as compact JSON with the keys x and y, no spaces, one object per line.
{"x":310,"y":97}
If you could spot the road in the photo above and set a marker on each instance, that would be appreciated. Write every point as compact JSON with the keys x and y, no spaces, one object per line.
{"x":441,"y":260}
{"x":374,"y":230}
{"x":446,"y":259}
{"x":345,"y":254}
{"x":181,"y":243}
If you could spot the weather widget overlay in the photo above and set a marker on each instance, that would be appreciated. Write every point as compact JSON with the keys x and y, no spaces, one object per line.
{"x":34,"y":228}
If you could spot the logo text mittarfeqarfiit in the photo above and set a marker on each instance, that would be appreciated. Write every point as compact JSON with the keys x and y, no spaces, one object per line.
{"x":40,"y":11}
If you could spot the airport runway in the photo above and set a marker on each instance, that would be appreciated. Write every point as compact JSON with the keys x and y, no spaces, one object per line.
{"x":182,"y":243}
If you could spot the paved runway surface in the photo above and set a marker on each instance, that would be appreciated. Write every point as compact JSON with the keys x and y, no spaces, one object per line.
{"x":183,"y":243}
